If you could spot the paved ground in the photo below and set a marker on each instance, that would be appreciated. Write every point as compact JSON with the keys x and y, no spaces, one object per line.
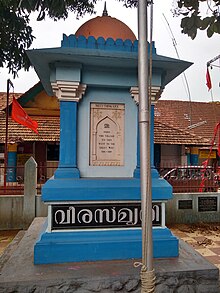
{"x":204,"y":238}
{"x":190,"y":272}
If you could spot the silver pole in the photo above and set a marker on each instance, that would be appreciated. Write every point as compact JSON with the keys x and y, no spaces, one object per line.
{"x":144,"y":127}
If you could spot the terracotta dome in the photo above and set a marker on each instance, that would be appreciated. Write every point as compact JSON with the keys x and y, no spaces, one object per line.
{"x":107,"y":27}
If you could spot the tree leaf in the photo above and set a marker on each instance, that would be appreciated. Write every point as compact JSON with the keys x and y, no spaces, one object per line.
{"x":210,"y":30}
{"x":204,"y":23}
{"x":216,"y":27}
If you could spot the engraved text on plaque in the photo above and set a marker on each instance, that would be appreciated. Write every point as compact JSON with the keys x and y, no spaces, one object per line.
{"x":107,"y":134}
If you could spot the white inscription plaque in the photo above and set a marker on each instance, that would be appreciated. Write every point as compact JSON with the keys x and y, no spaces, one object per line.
{"x":107,"y":134}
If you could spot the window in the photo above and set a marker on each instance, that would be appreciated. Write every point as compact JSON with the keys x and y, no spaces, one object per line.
{"x":53,"y":151}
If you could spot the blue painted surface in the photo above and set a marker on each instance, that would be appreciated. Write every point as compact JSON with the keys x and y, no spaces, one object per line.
{"x":101,"y":245}
{"x":137,"y":171}
{"x":45,"y":59}
{"x":68,"y":141}
{"x":102,"y":189}
{"x":152,"y":137}
{"x":109,"y":78}
{"x":154,"y":172}
{"x":194,"y":159}
{"x":11,"y":168}
{"x":66,"y":69}
{"x":101,"y":43}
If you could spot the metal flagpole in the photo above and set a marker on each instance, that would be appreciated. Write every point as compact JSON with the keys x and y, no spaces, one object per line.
{"x":9,"y":83}
{"x":147,"y":271}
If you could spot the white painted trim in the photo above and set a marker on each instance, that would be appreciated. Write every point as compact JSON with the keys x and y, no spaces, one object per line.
{"x":96,"y":230}
{"x":163,"y":214}
{"x":135,"y":94}
{"x":101,"y":201}
{"x":49,"y":230}
{"x":156,"y":92}
{"x":68,"y":90}
{"x":93,"y":202}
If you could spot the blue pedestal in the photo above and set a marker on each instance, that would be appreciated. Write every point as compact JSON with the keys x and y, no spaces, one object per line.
{"x":61,"y":247}
{"x":101,"y":244}
{"x":81,"y":189}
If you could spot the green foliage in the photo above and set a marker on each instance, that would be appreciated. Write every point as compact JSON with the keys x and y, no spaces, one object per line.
{"x":129,"y":3}
{"x":15,"y":37}
{"x":194,"y":21}
{"x":15,"y":32}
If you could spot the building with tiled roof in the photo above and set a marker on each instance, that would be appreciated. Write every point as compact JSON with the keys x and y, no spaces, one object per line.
{"x":197,"y":118}
{"x":166,"y":134}
{"x":38,"y":105}
{"x":184,"y":132}
{"x":44,"y":147}
{"x":3,"y":99}
{"x":48,"y":129}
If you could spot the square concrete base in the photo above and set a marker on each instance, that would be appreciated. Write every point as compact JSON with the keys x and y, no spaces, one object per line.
{"x":189,"y":272}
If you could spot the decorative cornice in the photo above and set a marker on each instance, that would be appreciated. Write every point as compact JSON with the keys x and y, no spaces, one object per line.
{"x":134,"y":91}
{"x":68,"y":90}
{"x":100,"y":43}
{"x":155,"y":93}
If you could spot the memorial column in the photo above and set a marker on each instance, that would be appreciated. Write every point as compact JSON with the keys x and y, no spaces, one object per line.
{"x":134,"y":91}
{"x":69,"y":94}
{"x":155,"y":94}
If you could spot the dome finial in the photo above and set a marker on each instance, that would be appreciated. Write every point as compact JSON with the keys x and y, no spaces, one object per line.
{"x":105,"y":12}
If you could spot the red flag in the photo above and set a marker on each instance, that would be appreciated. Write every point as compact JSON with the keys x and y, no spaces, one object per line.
{"x":208,"y":79}
{"x":19,"y":115}
{"x":218,"y":126}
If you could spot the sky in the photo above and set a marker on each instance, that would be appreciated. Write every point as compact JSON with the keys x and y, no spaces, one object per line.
{"x":48,"y":34}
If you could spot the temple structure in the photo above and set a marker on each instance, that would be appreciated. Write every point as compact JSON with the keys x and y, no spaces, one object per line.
{"x":94,"y":201}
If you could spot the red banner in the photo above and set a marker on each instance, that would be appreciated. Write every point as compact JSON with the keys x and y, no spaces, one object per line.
{"x":208,"y":80}
{"x":19,"y":115}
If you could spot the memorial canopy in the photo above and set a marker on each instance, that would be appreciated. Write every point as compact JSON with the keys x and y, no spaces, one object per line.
{"x":101,"y":54}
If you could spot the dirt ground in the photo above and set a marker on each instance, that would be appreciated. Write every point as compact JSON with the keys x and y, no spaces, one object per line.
{"x":203,"y":237}
{"x":203,"y":228}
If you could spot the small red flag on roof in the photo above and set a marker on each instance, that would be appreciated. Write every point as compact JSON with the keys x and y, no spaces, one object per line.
{"x":19,"y":115}
{"x":208,"y":79}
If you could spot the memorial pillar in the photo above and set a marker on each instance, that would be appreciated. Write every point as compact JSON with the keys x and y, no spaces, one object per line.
{"x":155,"y":95}
{"x":69,"y":94}
{"x":135,"y":95}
